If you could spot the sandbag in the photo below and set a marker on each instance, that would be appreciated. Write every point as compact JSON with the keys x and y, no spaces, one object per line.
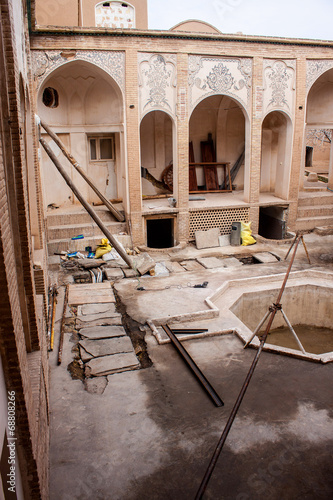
{"x":246,"y":233}
{"x":103,"y":248}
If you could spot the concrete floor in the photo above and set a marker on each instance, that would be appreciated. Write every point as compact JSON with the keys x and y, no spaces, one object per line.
{"x":152,"y":432}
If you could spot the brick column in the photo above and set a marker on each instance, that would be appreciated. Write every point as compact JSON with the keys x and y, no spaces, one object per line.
{"x":133,"y":147}
{"x":181,"y":184}
{"x":299,"y":143}
{"x":252,"y":180}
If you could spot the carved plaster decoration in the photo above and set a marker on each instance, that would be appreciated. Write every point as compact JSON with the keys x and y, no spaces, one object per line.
{"x":217,"y":75}
{"x":316,"y":68}
{"x":112,"y":62}
{"x":279,"y":85}
{"x":157,"y":82}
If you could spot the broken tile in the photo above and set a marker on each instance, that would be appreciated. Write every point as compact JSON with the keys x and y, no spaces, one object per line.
{"x":130,"y":273}
{"x":106,"y":347}
{"x":98,"y":367}
{"x":96,"y":385}
{"x":210,"y":262}
{"x":191,"y":265}
{"x":174,"y":267}
{"x":98,"y":321}
{"x":265,"y":257}
{"x":89,"y":309}
{"x":207,"y":239}
{"x":143,"y":262}
{"x":102,"y":332}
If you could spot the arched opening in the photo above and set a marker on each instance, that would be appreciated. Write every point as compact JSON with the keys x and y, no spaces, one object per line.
{"x":114,"y":15}
{"x":318,"y":134}
{"x":276,"y":142}
{"x":217,"y":134}
{"x":88,"y":118}
{"x":156,"y":145}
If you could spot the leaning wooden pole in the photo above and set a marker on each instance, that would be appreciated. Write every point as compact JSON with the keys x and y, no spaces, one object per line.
{"x":86,"y":205}
{"x":77,"y":167}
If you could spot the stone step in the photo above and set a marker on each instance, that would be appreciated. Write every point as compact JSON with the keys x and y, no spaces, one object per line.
{"x":304,"y":223}
{"x":315,"y":198}
{"x":315,"y":211}
{"x":77,"y":216}
{"x":63,"y":231}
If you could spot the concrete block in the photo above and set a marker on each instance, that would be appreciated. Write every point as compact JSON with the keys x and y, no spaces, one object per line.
{"x":224,"y":240}
{"x":106,"y":365}
{"x":207,"y":239}
{"x":102,"y":332}
{"x":265,"y":257}
{"x":130,"y":273}
{"x":114,"y":273}
{"x":231,"y":262}
{"x":174,"y":267}
{"x":96,"y":385}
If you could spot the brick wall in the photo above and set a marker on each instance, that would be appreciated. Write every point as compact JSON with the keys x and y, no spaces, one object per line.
{"x":22,"y":339}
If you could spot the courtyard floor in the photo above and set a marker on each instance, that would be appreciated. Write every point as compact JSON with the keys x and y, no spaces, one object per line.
{"x":151,"y":433}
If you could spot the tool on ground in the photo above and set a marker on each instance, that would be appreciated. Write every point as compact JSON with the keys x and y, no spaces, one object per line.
{"x":271,"y":314}
{"x":51,"y":318}
{"x":62,"y":328}
{"x":197,"y":372}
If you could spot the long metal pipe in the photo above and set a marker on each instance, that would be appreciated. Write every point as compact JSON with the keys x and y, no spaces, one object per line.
{"x":86,"y":205}
{"x":197,"y":372}
{"x":77,"y":167}
{"x":235,"y":409}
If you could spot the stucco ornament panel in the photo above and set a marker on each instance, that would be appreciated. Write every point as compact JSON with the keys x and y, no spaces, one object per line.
{"x":157,"y":82}
{"x":279,"y":85}
{"x":316,"y":68}
{"x":113,"y":63}
{"x":217,"y":75}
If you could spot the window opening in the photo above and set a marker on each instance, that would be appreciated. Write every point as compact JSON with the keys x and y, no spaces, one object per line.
{"x":50,"y":97}
{"x":101,"y":148}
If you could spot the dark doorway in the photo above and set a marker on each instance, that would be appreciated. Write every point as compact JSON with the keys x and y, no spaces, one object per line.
{"x":272,"y":222}
{"x":160,"y":233}
{"x":308,"y":156}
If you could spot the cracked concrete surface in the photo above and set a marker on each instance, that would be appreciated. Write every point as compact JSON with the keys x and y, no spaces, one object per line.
{"x":151,"y":434}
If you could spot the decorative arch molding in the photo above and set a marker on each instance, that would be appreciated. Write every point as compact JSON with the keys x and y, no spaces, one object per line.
{"x":279,"y":86}
{"x":209,"y":76}
{"x":316,"y":68}
{"x":157,"y":80}
{"x":44,"y":62}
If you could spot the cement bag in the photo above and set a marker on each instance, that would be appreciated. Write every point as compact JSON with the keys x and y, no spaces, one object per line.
{"x":103,"y":248}
{"x":246,"y":232}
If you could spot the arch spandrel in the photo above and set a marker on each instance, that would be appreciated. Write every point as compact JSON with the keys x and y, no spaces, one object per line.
{"x":209,"y":76}
{"x":315,"y":68}
{"x":279,"y":86}
{"x":44,"y":62}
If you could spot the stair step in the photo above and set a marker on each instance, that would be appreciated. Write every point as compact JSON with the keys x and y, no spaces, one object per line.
{"x":72,"y":246}
{"x":310,"y":199}
{"x":68,"y":231}
{"x":315,"y":211}
{"x":311,"y":222}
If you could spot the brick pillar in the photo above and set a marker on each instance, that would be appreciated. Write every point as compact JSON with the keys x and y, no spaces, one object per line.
{"x":133,"y":147}
{"x":252,"y":181}
{"x":181,"y":188}
{"x":299,"y":143}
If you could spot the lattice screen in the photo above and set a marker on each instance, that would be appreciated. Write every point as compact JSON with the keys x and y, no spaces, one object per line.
{"x":201,"y":220}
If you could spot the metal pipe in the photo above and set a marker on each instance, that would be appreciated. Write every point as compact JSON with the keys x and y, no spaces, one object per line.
{"x":197,"y":372}
{"x":293,"y":331}
{"x":54,"y":301}
{"x":257,"y":328}
{"x":77,"y":167}
{"x":219,"y":447}
{"x":86,"y":205}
